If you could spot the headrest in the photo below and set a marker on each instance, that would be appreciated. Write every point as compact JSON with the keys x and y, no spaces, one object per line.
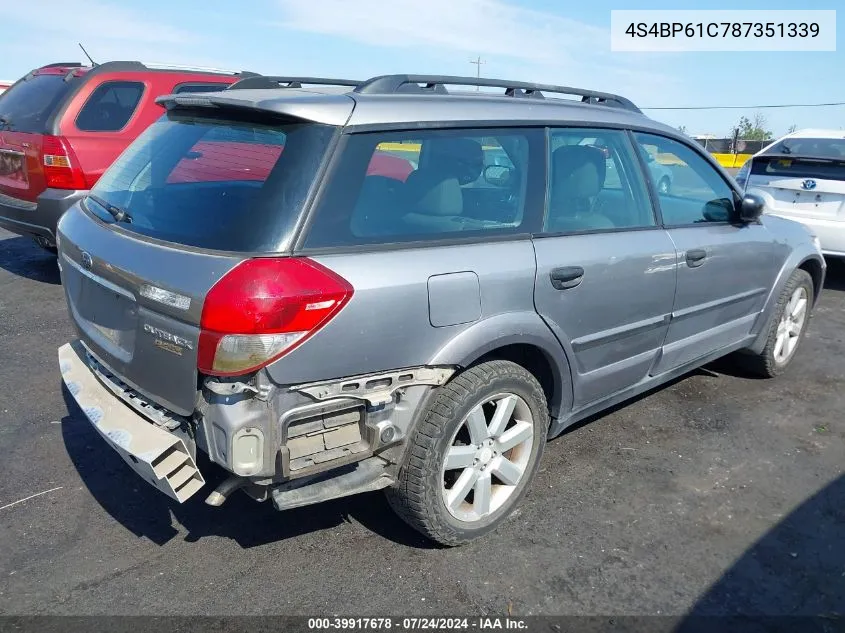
{"x":430,"y":193}
{"x":578,"y":171}
{"x":461,"y":158}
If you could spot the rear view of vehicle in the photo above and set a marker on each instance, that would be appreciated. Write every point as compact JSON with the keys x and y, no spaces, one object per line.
{"x":802,"y":177}
{"x":62,"y":125}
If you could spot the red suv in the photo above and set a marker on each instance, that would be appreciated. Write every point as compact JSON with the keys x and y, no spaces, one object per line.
{"x":63,"y":124}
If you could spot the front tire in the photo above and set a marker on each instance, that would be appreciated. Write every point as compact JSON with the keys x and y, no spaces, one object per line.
{"x":473,"y":454}
{"x":787,"y":329}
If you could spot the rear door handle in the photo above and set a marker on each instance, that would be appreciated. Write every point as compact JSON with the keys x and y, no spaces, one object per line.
{"x":566,"y":277}
{"x":696,"y":257}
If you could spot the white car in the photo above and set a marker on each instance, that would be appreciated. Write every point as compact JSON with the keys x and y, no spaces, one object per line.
{"x":802,"y":177}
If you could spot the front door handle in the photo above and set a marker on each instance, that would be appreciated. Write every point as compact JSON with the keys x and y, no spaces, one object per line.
{"x":696,"y":257}
{"x":566,"y":277}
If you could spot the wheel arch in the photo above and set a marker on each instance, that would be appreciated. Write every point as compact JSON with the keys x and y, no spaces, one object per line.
{"x":522,"y":338}
{"x":814,"y":265}
{"x":817,"y":271}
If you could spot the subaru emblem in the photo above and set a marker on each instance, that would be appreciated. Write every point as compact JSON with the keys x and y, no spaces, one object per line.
{"x":809,"y":185}
{"x":87,"y":262}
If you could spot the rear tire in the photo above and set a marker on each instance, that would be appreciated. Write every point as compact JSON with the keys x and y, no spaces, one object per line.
{"x":466,"y":468}
{"x":786,"y":330}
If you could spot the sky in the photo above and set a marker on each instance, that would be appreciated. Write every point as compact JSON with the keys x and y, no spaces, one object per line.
{"x":551,"y":41}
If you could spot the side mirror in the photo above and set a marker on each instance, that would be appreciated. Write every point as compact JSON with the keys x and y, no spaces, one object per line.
{"x":497,"y":175}
{"x":750,"y":208}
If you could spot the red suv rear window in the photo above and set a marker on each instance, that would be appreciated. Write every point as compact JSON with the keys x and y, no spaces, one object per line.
{"x":28,"y":105}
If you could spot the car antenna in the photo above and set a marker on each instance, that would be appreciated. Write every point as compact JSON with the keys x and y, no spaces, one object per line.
{"x":90,"y":59}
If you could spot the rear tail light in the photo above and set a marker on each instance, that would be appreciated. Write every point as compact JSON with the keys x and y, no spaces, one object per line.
{"x":61,"y":167}
{"x":262,"y":309}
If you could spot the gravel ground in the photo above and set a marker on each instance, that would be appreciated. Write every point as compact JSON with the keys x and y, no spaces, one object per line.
{"x":717,"y":494}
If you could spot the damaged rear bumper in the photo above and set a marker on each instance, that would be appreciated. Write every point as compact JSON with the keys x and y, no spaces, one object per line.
{"x":157,"y":455}
{"x":296,"y":445}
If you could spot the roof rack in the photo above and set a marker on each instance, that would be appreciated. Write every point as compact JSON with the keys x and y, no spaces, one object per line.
{"x":61,"y":64}
{"x":275,"y":81}
{"x":436,"y":84}
{"x":199,"y":69}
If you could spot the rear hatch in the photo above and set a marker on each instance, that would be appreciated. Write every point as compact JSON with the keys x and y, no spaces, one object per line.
{"x":198,"y":192}
{"x":31,"y":157}
{"x":802,"y":178}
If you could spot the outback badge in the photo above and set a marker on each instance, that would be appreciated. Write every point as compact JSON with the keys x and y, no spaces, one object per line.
{"x":167,"y":341}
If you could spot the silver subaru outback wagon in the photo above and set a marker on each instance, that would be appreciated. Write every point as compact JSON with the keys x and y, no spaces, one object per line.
{"x":330,"y":287}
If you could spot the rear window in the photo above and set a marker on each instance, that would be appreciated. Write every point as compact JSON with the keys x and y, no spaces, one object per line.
{"x":788,"y":167}
{"x":816,"y":147}
{"x":110,"y":106}
{"x":225,"y":184}
{"x":28,"y":105}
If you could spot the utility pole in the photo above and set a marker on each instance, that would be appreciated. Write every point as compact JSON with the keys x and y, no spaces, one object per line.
{"x":478,"y":61}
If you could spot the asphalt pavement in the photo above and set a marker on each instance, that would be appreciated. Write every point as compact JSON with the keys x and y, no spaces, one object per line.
{"x":717,"y":494}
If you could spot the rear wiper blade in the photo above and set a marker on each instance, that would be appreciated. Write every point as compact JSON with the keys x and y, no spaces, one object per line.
{"x":119,"y":215}
{"x":5,"y":120}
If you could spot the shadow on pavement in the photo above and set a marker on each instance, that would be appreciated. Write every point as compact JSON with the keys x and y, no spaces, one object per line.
{"x":147,"y":512}
{"x":21,"y":256}
{"x":835,"y":279}
{"x":795,"y":570}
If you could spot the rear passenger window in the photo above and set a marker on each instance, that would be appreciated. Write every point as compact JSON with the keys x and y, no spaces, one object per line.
{"x":110,"y":106}
{"x":398,"y":187}
{"x":689,"y":189}
{"x":595,"y":183}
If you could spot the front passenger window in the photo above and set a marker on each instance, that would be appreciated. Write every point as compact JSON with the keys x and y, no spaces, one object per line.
{"x":689,"y":189}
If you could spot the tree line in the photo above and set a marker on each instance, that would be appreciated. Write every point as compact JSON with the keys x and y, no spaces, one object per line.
{"x":754,"y":128}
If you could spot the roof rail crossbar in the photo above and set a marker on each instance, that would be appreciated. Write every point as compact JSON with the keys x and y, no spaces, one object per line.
{"x":274,"y":81}
{"x":391,"y":84}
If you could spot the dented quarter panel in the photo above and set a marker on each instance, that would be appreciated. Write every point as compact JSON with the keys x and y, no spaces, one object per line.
{"x":386,"y":326}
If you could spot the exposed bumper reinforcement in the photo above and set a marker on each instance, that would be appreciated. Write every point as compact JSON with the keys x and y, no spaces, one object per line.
{"x":365,"y":476}
{"x":158,"y":456}
{"x":376,"y":389}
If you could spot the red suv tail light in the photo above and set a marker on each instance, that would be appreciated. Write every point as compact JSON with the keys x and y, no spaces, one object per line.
{"x":262,"y":309}
{"x":61,"y":167}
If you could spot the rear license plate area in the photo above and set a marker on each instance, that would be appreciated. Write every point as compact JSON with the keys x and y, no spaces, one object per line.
{"x":13,"y":167}
{"x":112,"y":314}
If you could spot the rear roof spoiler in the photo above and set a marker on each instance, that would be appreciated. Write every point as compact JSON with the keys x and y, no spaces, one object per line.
{"x":316,"y":108}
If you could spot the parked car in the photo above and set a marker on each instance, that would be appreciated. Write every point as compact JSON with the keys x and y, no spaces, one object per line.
{"x":801,"y":176}
{"x":63,"y":124}
{"x":4,"y":86}
{"x":321,"y":330}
